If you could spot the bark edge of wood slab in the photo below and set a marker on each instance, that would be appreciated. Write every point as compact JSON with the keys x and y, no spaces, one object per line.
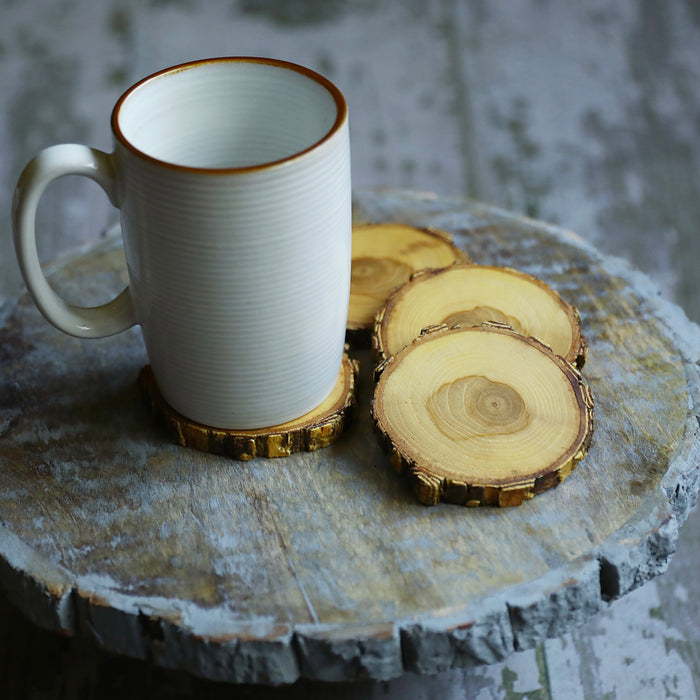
{"x":316,"y":429}
{"x":471,"y":457}
{"x":469,"y":294}
{"x":384,"y":256}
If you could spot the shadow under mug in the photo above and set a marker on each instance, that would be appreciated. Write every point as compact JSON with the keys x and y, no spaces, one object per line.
{"x":232,"y":177}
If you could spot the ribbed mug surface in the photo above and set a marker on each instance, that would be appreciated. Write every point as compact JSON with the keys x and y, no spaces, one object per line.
{"x":235,"y":199}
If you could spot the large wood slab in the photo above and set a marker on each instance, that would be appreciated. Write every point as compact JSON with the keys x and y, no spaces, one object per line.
{"x":323,"y":565}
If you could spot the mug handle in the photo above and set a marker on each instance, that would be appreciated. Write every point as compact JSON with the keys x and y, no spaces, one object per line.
{"x":50,"y":164}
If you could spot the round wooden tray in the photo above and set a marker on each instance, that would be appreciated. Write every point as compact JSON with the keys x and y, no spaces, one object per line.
{"x":323,"y":565}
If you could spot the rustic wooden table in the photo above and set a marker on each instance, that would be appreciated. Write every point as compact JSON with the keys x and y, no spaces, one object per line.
{"x":584,"y":114}
{"x":323,"y":566}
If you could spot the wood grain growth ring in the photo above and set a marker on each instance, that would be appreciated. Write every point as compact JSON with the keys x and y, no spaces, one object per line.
{"x":482,"y":415}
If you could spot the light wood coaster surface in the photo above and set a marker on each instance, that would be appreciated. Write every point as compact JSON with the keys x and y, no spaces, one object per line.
{"x":481,"y":415}
{"x":323,"y":565}
{"x":468,"y":295}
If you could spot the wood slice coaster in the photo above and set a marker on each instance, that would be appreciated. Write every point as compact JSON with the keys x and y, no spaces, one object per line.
{"x":384,"y":256}
{"x":471,"y":294}
{"x":482,"y":415}
{"x":312,"y":431}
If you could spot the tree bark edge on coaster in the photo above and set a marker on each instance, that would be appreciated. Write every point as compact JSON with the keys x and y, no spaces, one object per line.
{"x":315,"y":430}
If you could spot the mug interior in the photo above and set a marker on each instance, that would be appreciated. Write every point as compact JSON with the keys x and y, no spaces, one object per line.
{"x":228,"y":113}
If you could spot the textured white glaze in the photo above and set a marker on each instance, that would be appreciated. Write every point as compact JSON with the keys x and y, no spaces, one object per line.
{"x":233,"y":181}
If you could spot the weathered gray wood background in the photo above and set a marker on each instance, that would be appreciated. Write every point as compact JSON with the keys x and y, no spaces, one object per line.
{"x":583,"y":114}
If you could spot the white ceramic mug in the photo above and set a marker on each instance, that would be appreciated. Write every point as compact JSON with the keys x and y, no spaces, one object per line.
{"x":232,"y":177}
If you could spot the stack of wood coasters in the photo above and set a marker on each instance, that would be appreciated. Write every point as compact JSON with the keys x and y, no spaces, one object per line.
{"x":479,"y":397}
